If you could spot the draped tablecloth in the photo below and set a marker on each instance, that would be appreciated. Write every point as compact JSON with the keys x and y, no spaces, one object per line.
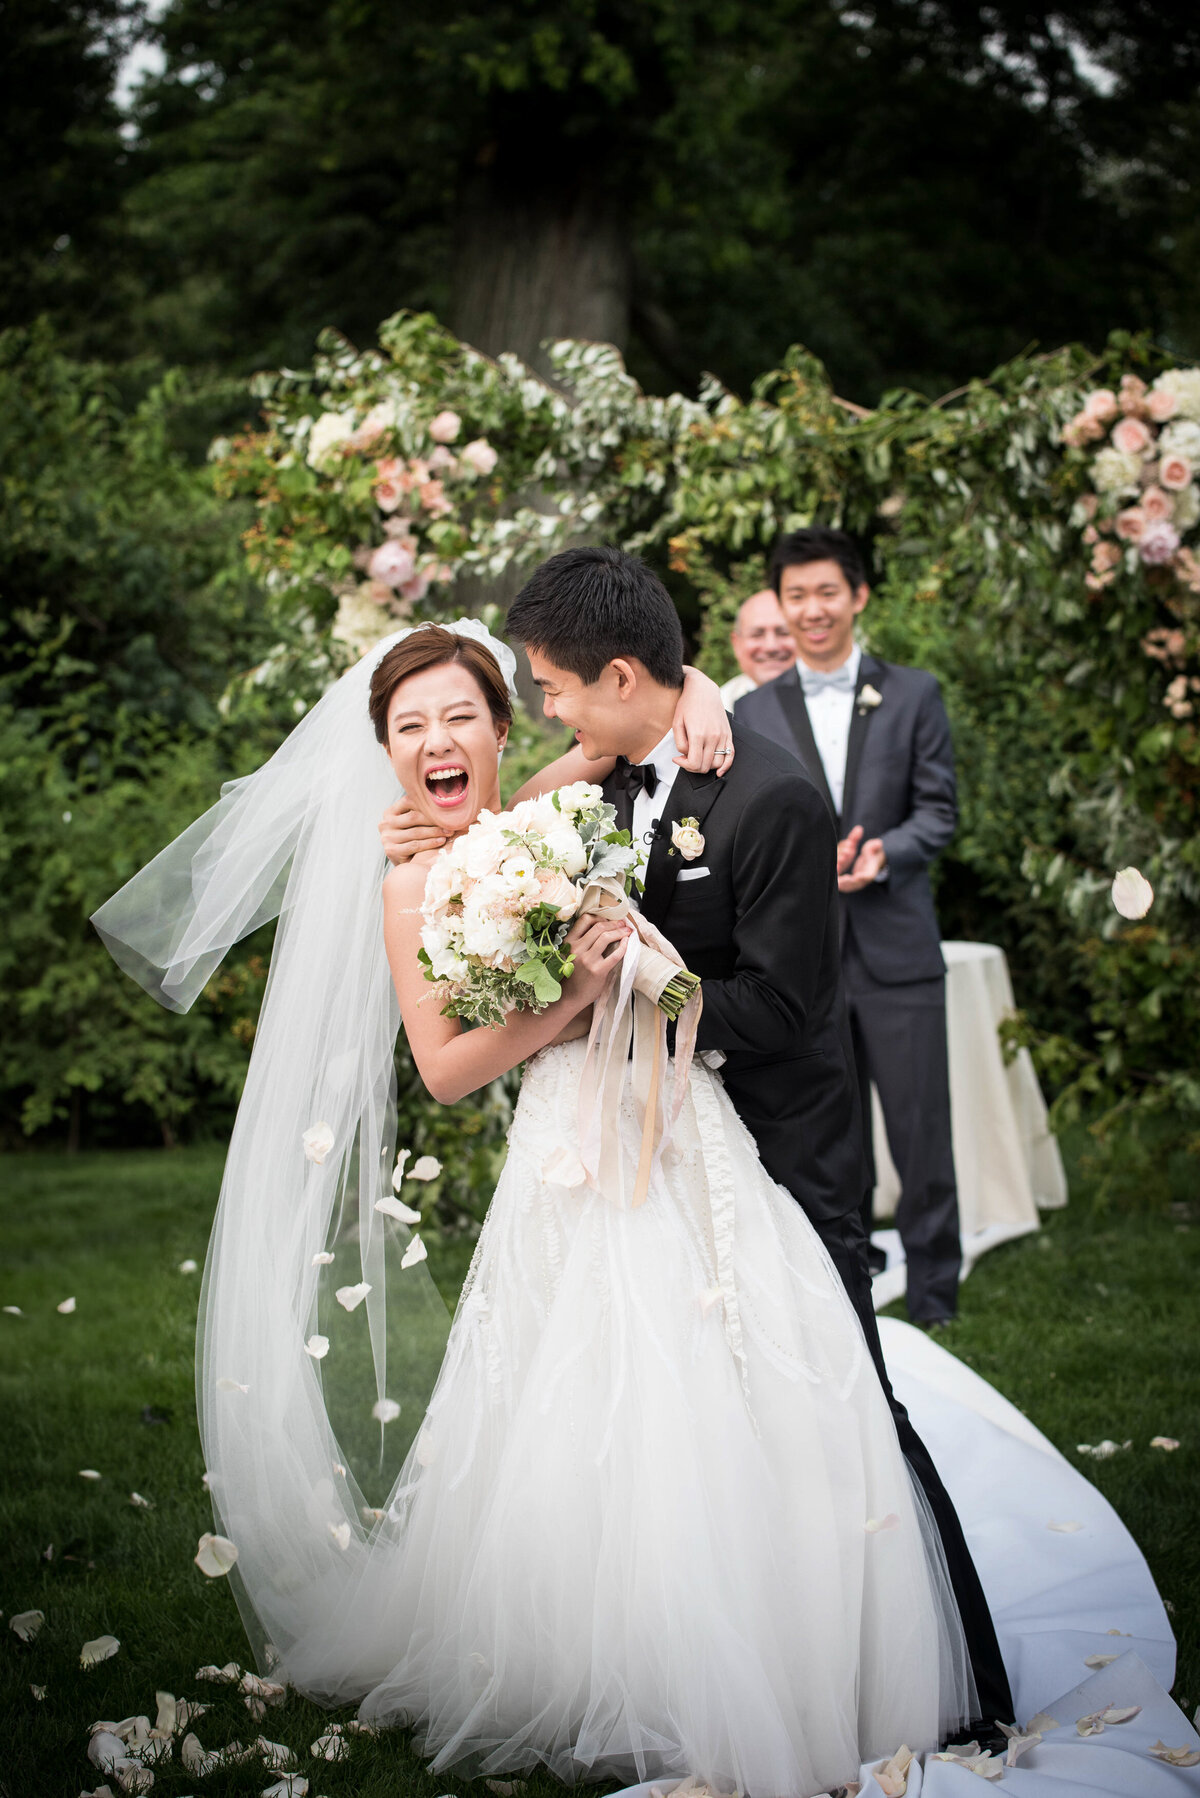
{"x":1007,"y":1162}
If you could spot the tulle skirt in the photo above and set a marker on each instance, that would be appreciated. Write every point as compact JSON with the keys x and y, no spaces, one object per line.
{"x":657,"y":1521}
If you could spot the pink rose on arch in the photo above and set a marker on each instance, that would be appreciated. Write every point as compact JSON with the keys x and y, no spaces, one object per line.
{"x":445,"y":427}
{"x":1131,"y":437}
{"x":416,"y":588}
{"x":1131,"y":523}
{"x":392,"y":563}
{"x":433,"y":498}
{"x":1133,"y":394}
{"x":1155,"y":503}
{"x":1090,"y":535}
{"x":1174,"y":473}
{"x":480,"y":456}
{"x":1158,"y":543}
{"x":378,"y":592}
{"x":1161,"y":404}
{"x":1082,"y":429}
{"x":441,"y":458}
{"x":1100,"y":405}
{"x":1105,"y":556}
{"x":388,"y":488}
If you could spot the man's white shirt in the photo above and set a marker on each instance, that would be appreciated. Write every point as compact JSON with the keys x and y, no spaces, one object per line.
{"x":647,"y":811}
{"x":831,"y":712}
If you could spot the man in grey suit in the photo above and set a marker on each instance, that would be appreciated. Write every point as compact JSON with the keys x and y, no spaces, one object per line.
{"x":875,"y":739}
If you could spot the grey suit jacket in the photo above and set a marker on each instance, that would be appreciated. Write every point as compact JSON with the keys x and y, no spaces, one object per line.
{"x":899,"y":786}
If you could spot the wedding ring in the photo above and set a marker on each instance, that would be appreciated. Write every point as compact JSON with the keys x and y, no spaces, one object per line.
{"x":723,"y":752}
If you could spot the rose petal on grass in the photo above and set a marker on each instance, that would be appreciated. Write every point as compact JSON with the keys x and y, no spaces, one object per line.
{"x":268,"y":1690}
{"x":275,"y":1755}
{"x":332,"y":1746}
{"x":349,"y":1297}
{"x":224,"y":1384}
{"x":404,"y":1214}
{"x":427,"y":1168}
{"x":188,"y":1266}
{"x":139,"y":1503}
{"x":14,"y":1311}
{"x":416,"y":1251}
{"x":39,"y":1692}
{"x":398,"y":1170}
{"x":26,"y":1624}
{"x":292,"y":1785}
{"x":1064,"y":1529}
{"x":317,"y":1347}
{"x":89,"y":1473}
{"x":317,"y":1141}
{"x":385,"y":1410}
{"x":1167,"y":1442}
{"x":322,"y":1258}
{"x":215,"y":1555}
{"x":1132,"y":893}
{"x":228,"y":1675}
{"x":187,"y":1710}
{"x":167,"y":1719}
{"x":66,"y":1308}
{"x":102,"y":1648}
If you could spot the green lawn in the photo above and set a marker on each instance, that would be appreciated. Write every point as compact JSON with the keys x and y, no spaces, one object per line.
{"x":1090,"y":1327}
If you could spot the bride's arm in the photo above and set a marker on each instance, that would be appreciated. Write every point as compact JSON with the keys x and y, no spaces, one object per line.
{"x":450,"y":1060}
{"x":701,"y":726}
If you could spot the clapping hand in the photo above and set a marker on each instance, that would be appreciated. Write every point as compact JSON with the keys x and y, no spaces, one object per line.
{"x":859,"y":864}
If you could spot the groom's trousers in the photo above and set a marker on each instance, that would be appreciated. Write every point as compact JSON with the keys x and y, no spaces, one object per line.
{"x":845,"y":1240}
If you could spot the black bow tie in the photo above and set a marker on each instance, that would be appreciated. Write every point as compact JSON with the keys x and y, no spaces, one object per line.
{"x":633,"y":778}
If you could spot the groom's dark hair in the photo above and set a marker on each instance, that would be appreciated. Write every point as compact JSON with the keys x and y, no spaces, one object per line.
{"x":819,"y":543}
{"x":585,"y":607}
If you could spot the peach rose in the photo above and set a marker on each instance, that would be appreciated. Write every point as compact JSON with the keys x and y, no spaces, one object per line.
{"x":1161,"y":405}
{"x":1105,"y":556}
{"x":1101,"y":405}
{"x":1174,"y":473}
{"x":1131,"y":523}
{"x":433,"y":497}
{"x":1090,"y":535}
{"x":1131,"y":437}
{"x":1155,"y":503}
{"x":388,"y":488}
{"x":1132,"y":395}
{"x":1081,"y":429}
{"x":554,"y":888}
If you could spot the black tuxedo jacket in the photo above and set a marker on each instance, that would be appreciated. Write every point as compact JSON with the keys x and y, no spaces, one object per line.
{"x":756,"y":918}
{"x":899,"y":786}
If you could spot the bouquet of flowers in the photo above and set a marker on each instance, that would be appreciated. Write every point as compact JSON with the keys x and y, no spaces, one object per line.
{"x":500,"y":900}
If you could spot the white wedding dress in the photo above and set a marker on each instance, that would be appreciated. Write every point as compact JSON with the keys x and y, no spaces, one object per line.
{"x":656,"y":1521}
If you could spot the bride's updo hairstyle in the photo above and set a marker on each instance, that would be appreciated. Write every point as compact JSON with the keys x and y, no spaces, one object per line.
{"x":428,"y":647}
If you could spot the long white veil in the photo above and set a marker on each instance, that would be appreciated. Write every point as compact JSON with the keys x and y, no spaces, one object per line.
{"x":301,"y":1444}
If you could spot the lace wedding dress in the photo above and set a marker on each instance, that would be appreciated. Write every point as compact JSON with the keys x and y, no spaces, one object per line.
{"x":656,"y":1521}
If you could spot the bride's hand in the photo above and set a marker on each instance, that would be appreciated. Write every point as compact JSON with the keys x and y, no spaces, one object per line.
{"x":405,"y":832}
{"x":598,"y":944}
{"x":701,"y":725}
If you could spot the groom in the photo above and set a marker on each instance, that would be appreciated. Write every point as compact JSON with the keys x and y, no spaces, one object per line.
{"x":749,"y":898}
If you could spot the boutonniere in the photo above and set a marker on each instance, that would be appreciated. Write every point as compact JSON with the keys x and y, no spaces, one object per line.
{"x":868,"y":698}
{"x":686,"y":838}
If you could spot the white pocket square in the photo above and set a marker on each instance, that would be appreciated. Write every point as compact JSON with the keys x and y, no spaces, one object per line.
{"x":693,"y":873}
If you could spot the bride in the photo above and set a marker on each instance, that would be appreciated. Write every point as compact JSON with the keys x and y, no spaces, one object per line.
{"x":654,"y":1520}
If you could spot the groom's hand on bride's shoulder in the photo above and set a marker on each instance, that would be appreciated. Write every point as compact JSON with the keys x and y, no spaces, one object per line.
{"x":405,"y":833}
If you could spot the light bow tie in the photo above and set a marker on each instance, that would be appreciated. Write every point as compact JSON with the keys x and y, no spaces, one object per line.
{"x":814,"y":681}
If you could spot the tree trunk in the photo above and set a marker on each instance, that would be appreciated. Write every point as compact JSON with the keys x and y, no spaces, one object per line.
{"x":537,"y":264}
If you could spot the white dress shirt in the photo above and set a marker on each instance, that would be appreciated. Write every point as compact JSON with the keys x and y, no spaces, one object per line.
{"x":830,"y":713}
{"x":735,"y":688}
{"x":647,"y":811}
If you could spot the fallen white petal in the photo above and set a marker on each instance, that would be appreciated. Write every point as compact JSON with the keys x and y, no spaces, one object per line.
{"x":1019,"y":1743}
{"x":1120,"y":1713}
{"x":1116,"y":1632}
{"x":256,"y":1706}
{"x":268,"y":1690}
{"x":167,"y":1718}
{"x":106,"y":1750}
{"x":1176,"y":1757}
{"x":350,"y":1296}
{"x":292,"y":1785}
{"x":14,"y":1311}
{"x":385,"y":1410}
{"x":1065,"y":1529}
{"x":427,"y":1168}
{"x":322,"y":1258}
{"x":186,"y":1711}
{"x":1098,"y":1660}
{"x":276,"y":1755}
{"x":398,"y":1170}
{"x":66,"y":1308}
{"x":332,"y":1746}
{"x":89,"y":1473}
{"x":26,"y":1624}
{"x":227,"y":1385}
{"x":317,"y":1140}
{"x":192,"y":1754}
{"x":370,"y":1515}
{"x":341,"y":1534}
{"x":403,"y":1214}
{"x":215,"y":1555}
{"x":188,"y":1266}
{"x":102,"y":1648}
{"x":1101,"y":1451}
{"x":874,"y":1524}
{"x":339,"y":1469}
{"x":416,"y":1251}
{"x":1041,"y":1725}
{"x":1132,"y":893}
{"x":317,"y":1347}
{"x":39,"y":1692}
{"x":134,"y":1778}
{"x":1167,"y":1442}
{"x":892,"y":1776}
{"x":228,"y":1675}
{"x":139,"y":1503}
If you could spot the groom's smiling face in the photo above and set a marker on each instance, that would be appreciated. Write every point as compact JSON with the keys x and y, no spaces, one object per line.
{"x":606,"y":714}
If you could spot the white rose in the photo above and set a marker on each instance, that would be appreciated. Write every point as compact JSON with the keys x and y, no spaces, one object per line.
{"x":581,"y":796}
{"x":566,"y":846}
{"x":1181,"y":438}
{"x":535,"y":815}
{"x":1113,"y":472}
{"x":1184,"y":383}
{"x":519,"y":874}
{"x":480,"y":456}
{"x":328,"y":434}
{"x":484,"y":851}
{"x":1186,"y":510}
{"x":1132,"y":893}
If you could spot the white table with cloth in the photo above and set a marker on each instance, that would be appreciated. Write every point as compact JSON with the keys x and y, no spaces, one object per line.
{"x":1006,"y":1161}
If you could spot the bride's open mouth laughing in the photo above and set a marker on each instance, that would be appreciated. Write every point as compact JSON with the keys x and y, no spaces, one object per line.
{"x":447,"y":784}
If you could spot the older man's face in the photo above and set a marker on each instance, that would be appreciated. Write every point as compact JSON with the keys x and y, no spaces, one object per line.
{"x":762,"y":639}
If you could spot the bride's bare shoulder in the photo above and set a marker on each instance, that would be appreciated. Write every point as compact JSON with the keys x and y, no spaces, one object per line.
{"x":404,"y":885}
